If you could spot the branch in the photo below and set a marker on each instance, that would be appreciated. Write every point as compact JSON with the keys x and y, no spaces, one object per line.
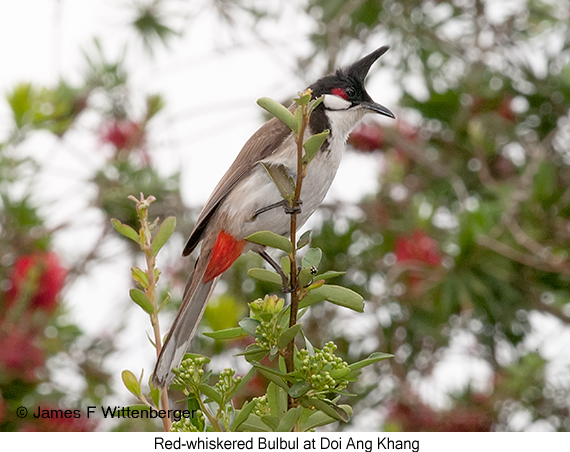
{"x":530,"y":260}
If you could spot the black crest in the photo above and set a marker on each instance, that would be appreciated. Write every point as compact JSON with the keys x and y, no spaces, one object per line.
{"x":353,"y":76}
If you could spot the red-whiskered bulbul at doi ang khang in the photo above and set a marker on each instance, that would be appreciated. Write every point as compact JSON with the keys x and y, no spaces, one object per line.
{"x":246,"y":199}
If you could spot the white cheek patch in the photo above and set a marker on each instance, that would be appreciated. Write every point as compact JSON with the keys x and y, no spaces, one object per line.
{"x":333,"y":102}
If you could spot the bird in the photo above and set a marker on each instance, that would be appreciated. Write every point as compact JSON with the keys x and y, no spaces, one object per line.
{"x":246,"y":199}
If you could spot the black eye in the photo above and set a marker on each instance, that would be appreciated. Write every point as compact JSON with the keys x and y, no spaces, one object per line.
{"x":350,"y":92}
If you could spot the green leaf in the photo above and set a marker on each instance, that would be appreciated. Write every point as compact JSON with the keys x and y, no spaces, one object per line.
{"x":299,"y":389}
{"x":273,"y":352}
{"x":305,"y":277}
{"x":304,"y":240}
{"x":288,"y":421}
{"x":228,"y":333}
{"x":315,"y":103}
{"x":277,"y":399}
{"x":211,"y":393}
{"x":274,"y":379}
{"x":312,"y":146}
{"x":249,"y":325}
{"x":286,"y":265}
{"x":278,"y":372}
{"x":304,"y":97}
{"x":338,"y":295}
{"x":312,"y":258}
{"x":317,"y":419}
{"x":155,"y":395}
{"x":254,"y":424}
{"x":268,"y":238}
{"x":140,"y":298}
{"x":262,"y":274}
{"x":253,"y":353}
{"x":339,"y":373}
{"x":284,"y":183}
{"x":288,"y":335}
{"x":279,"y":111}
{"x":270,"y":421}
{"x":316,"y":285}
{"x":154,"y":392}
{"x":131,"y":383}
{"x":244,"y":381}
{"x":331,"y":409}
{"x":21,"y":103}
{"x":242,"y":415}
{"x":154,"y":103}
{"x":329,"y":274}
{"x":125,"y":230}
{"x":373,"y":358}
{"x":162,"y":235}
{"x":140,"y":276}
{"x":192,"y":404}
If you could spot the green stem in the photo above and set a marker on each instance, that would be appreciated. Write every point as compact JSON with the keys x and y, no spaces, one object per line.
{"x":151,"y":293}
{"x":290,"y":349}
{"x":213,"y":420}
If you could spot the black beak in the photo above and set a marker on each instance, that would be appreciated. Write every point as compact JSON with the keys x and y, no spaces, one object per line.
{"x":377,"y":108}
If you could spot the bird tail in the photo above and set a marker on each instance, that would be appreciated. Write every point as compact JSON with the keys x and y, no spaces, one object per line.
{"x":213,"y":261}
{"x":194,"y":303}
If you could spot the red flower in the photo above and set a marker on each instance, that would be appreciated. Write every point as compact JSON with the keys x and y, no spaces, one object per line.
{"x":38,"y":278}
{"x":419,"y":247}
{"x":123,"y":134}
{"x":367,"y":137}
{"x":19,"y":356}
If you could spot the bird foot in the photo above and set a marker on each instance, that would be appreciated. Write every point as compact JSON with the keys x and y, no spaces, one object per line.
{"x":294,"y":209}
{"x":287,"y":207}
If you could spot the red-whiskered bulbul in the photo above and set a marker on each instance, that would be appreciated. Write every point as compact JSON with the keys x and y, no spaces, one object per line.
{"x":246,"y":199}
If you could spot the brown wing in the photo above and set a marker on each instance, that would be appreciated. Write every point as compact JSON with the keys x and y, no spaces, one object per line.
{"x":261,"y":144}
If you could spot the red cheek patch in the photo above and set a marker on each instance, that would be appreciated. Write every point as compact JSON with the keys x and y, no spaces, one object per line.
{"x":340,"y":93}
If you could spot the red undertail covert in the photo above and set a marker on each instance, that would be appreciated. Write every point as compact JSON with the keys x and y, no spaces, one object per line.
{"x":226,"y":250}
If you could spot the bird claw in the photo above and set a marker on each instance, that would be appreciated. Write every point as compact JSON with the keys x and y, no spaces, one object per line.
{"x":294,"y":209}
{"x":289,"y":209}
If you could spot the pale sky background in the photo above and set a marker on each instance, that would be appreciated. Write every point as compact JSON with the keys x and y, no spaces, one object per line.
{"x":210,"y":85}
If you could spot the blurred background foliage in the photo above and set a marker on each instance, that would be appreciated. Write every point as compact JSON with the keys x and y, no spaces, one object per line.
{"x":462,"y":255}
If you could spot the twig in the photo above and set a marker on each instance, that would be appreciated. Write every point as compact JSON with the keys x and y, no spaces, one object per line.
{"x":530,"y":260}
{"x":290,"y":349}
{"x":150,"y":262}
{"x":146,"y":245}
